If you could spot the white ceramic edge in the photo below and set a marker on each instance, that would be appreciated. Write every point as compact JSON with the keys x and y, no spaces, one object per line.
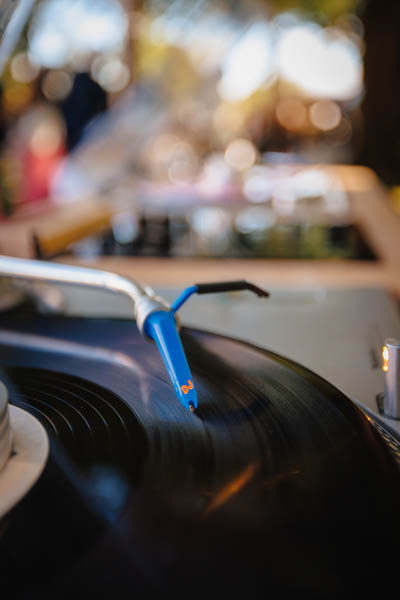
{"x":30,"y":451}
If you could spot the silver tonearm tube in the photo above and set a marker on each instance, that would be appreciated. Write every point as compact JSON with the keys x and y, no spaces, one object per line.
{"x":144,"y":299}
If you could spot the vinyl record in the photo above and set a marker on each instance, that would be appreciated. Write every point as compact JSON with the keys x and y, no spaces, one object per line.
{"x":278,"y":485}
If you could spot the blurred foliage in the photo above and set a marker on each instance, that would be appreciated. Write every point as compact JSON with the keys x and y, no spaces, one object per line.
{"x":320,"y":9}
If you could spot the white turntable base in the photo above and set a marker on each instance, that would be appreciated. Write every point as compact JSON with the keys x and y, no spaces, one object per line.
{"x":30,"y":451}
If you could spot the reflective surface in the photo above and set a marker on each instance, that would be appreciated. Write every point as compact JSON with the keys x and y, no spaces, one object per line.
{"x":5,"y":431}
{"x":277,"y":485}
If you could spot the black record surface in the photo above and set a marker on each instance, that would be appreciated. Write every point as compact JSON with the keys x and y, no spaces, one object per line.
{"x":278,"y":486}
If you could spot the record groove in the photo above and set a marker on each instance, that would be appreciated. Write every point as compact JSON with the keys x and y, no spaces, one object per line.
{"x":278,"y":486}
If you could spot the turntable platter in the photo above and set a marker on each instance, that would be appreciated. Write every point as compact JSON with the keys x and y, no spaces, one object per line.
{"x":278,"y":485}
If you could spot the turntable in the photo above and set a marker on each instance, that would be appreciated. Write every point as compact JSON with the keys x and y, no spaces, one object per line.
{"x":116,"y":481}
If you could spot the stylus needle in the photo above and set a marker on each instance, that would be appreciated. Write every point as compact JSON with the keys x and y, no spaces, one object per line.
{"x":161,"y":327}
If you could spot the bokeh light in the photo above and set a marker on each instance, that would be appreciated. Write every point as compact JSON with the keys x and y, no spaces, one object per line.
{"x":46,"y":138}
{"x":258,"y":185}
{"x":241,"y":154}
{"x":291,"y":114}
{"x":247,"y":65}
{"x":56,"y":85}
{"x":62,"y":28}
{"x":113,"y":75}
{"x":323,"y":64}
{"x":325,"y":115}
{"x":255,"y":219}
{"x":22,"y":69}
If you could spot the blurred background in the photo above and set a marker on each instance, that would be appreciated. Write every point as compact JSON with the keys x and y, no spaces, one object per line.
{"x":199,"y":129}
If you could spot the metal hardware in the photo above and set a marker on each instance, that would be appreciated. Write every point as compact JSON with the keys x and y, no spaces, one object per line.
{"x":5,"y":428}
{"x":144,"y":299}
{"x":391,"y":367}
